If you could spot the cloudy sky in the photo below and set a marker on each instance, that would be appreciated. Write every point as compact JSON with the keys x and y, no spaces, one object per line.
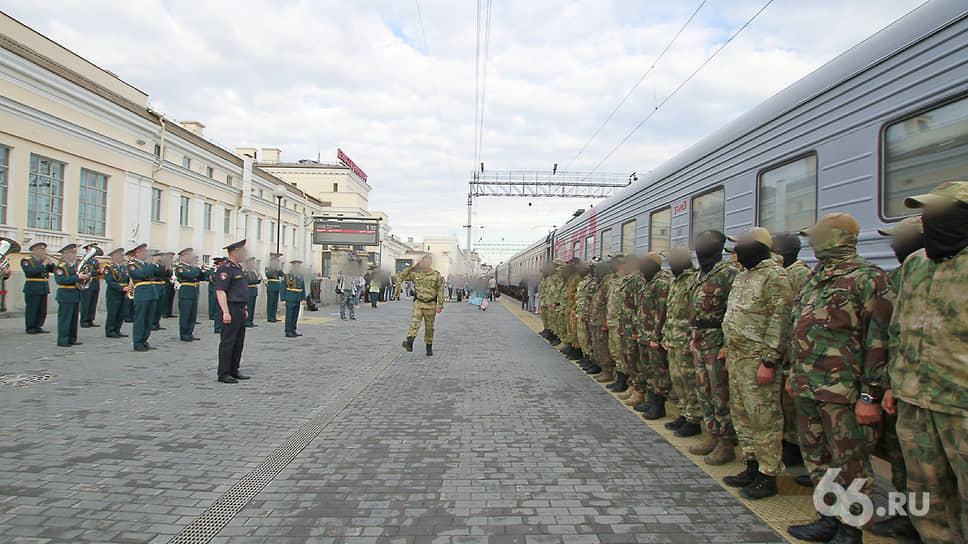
{"x":310,"y":76}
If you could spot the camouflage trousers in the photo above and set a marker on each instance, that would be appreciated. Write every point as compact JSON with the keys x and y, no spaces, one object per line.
{"x":631,"y":359}
{"x":654,"y":370}
{"x":581,"y":332}
{"x":712,"y":384}
{"x":888,"y":447}
{"x":682,"y":372}
{"x":616,"y":347}
{"x":560,"y":328}
{"x":831,"y":437}
{"x":789,"y":406}
{"x":755,"y":411}
{"x":935,"y":448}
{"x":426,"y":312}
{"x":600,"y":353}
{"x":545,"y":316}
{"x":572,"y":327}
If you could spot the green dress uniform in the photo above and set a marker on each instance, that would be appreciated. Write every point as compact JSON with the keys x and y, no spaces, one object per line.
{"x":274,"y":278}
{"x":36,"y":289}
{"x":214,"y":314}
{"x":159,"y":278}
{"x":252,"y":277}
{"x":68,"y":300}
{"x":89,"y":298}
{"x":116,"y":279}
{"x":188,"y":277}
{"x":295,"y":293}
{"x":145,"y":302}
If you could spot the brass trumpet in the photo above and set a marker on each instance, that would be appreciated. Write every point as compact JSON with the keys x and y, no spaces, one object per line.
{"x":7,"y":246}
{"x":88,"y":265}
{"x":130,"y":293}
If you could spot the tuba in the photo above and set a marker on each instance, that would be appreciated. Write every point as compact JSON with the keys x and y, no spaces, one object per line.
{"x":88,"y":265}
{"x":7,"y":246}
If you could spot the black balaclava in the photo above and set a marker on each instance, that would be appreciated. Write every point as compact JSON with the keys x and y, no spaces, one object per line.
{"x":946,"y":233}
{"x":679,"y":268}
{"x":709,"y":249}
{"x":788,"y":247}
{"x":750,"y":254}
{"x":648,"y":267}
{"x":907,"y":245}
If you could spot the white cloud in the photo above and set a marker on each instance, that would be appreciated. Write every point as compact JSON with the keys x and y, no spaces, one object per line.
{"x":310,"y":76}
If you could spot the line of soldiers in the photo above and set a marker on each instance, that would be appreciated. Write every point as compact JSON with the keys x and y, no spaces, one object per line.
{"x":141,"y":289}
{"x":827,"y":366}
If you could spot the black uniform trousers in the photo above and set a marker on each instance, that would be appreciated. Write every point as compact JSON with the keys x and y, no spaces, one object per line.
{"x":292,"y":315}
{"x":89,"y":298}
{"x":35,"y":312}
{"x":114,"y":302}
{"x":272,"y":302}
{"x":232,"y":341}
{"x":251,"y":308}
{"x":67,"y":317}
{"x":142,"y":322}
{"x":214,"y":312}
{"x":187,"y":313}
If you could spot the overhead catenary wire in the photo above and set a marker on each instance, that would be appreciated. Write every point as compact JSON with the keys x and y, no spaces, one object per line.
{"x":477,"y":83}
{"x":487,"y":44}
{"x":680,"y":86}
{"x":636,"y":86}
{"x":433,"y":82}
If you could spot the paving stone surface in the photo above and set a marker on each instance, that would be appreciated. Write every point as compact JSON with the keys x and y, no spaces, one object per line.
{"x":494,"y":439}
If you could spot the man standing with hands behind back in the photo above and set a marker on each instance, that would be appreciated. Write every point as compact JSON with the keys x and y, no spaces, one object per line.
{"x":428,"y":302}
{"x":232,"y":292}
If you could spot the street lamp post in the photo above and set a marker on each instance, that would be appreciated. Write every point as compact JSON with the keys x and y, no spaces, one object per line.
{"x":279,"y":192}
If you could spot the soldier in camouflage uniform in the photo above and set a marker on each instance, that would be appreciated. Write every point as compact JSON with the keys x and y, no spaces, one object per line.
{"x":555,"y":284}
{"x":585,"y":290}
{"x":756,"y":327}
{"x":654,"y":374}
{"x":929,"y":364}
{"x":676,"y":334}
{"x":710,"y":292}
{"x":907,"y":237}
{"x":546,"y":271}
{"x":839,"y":337}
{"x":572,"y":276}
{"x":787,"y":248}
{"x":427,"y":303}
{"x":619,"y":308}
{"x":598,"y":320}
{"x":633,"y":392}
{"x":613,"y":304}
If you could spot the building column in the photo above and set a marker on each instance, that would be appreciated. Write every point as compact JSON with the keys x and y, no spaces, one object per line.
{"x":199,"y":227}
{"x":174,"y":227}
{"x":218,"y":210}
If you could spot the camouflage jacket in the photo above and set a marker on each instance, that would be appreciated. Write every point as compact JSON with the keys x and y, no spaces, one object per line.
{"x":583,"y":296}
{"x":758,"y":311}
{"x":929,"y":340}
{"x":651,"y":312}
{"x":598,"y":307}
{"x":630,"y":288}
{"x":676,"y":330}
{"x":840,"y":332}
{"x":428,"y":285}
{"x":709,"y":296}
{"x":569,"y":294}
{"x":613,"y":310}
{"x":553,"y":290}
{"x":894,"y":283}
{"x":797,"y":273}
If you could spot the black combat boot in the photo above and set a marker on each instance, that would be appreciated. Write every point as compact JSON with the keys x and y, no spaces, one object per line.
{"x":620,"y":384}
{"x":575,"y":354}
{"x":675,"y":423}
{"x":408,"y":343}
{"x":820,"y":530}
{"x":803,"y":480}
{"x":847,"y":535}
{"x":895,"y":526}
{"x":744,"y":478}
{"x":657,"y":410}
{"x":762,"y":487}
{"x":791,"y":454}
{"x":430,"y":350}
{"x":545,"y":333}
{"x":554,"y":340}
{"x":688,"y":429}
{"x":647,"y":405}
{"x":593,"y":370}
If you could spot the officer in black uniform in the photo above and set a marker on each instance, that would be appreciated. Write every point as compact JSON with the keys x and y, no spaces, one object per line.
{"x":142,"y":274}
{"x":295,"y":294}
{"x":214,"y":313}
{"x":90,"y":295}
{"x":274,"y":277}
{"x":188,"y":275}
{"x":68,"y":299}
{"x":37,"y":269}
{"x":116,"y":293}
{"x":254,"y":279}
{"x":232,"y":291}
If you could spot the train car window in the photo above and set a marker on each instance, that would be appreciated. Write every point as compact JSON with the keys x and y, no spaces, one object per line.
{"x":606,"y":243}
{"x":708,"y":211}
{"x":628,"y":237}
{"x":922,"y":151}
{"x":589,"y":247}
{"x":660,"y":230}
{"x":788,"y":195}
{"x":575,"y":249}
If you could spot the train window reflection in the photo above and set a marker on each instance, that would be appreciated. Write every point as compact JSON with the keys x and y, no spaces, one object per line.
{"x":660,"y":230}
{"x":589,"y":248}
{"x":606,"y":243}
{"x":788,"y":196}
{"x":628,"y":238}
{"x":709,"y":211}
{"x":923,"y":151}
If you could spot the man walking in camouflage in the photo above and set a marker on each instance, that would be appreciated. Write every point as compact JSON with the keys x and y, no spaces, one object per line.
{"x":654,"y":365}
{"x":929,"y":364}
{"x":428,"y":302}
{"x":839,"y":337}
{"x":756,"y":329}
{"x":710,"y":292}
{"x":676,"y":334}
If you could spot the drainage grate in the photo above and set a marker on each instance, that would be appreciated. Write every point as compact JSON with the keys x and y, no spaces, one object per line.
{"x":22,"y":380}
{"x":210,"y":522}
